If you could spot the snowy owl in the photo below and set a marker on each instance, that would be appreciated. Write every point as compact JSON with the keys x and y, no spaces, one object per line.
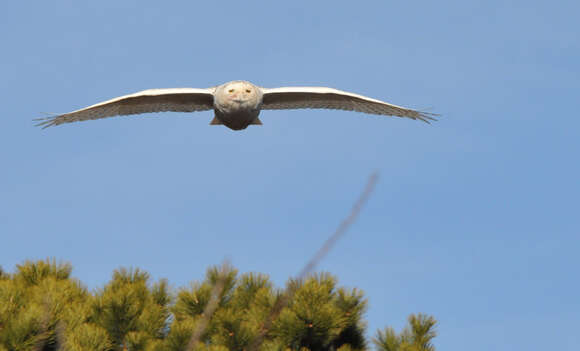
{"x":236,"y":104}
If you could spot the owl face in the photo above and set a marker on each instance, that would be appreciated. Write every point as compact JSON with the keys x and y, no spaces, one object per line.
{"x":241,"y":93}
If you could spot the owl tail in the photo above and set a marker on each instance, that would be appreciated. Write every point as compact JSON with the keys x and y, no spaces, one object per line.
{"x":215,"y":121}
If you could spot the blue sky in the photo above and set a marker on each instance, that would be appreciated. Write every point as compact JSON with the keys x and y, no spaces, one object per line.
{"x":474,"y":219}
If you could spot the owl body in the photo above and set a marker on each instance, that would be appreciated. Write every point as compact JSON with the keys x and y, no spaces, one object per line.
{"x":237,"y":104}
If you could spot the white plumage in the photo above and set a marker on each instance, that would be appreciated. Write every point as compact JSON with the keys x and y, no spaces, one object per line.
{"x":236,"y":104}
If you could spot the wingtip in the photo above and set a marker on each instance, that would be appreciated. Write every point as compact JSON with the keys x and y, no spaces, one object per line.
{"x":45,"y":122}
{"x":427,"y":117}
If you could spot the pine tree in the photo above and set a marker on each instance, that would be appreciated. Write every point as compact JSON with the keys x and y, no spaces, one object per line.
{"x":132,"y":312}
{"x":416,"y":336}
{"x":313,"y":319}
{"x":42,"y":308}
{"x":36,"y":303}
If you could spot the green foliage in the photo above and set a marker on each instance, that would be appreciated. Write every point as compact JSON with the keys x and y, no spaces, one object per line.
{"x":35,"y":304}
{"x":387,"y":340}
{"x":312,"y":319}
{"x":87,"y":337}
{"x":23,"y":330}
{"x":180,"y":334}
{"x":31,"y":273}
{"x":131,"y":311}
{"x":42,"y":308}
{"x":416,"y":336}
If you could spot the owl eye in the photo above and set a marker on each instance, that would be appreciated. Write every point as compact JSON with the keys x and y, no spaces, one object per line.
{"x":248,"y":91}
{"x":231,"y":91}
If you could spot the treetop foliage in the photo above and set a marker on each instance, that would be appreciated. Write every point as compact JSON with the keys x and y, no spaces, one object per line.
{"x":43,"y":308}
{"x":416,"y":336}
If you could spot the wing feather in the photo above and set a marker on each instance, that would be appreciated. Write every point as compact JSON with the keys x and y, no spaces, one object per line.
{"x":329,"y":98}
{"x":146,"y":101}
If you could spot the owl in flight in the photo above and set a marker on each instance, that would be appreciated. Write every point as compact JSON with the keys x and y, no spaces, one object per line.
{"x":236,"y":104}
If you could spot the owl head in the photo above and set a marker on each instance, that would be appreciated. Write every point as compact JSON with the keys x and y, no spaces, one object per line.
{"x":239,"y":92}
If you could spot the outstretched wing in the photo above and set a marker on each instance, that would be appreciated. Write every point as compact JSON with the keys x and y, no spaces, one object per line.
{"x":321,"y":97}
{"x":153,"y":100}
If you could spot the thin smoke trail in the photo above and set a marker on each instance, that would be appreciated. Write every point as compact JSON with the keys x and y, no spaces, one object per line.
{"x":320,"y":254}
{"x":342,"y":228}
